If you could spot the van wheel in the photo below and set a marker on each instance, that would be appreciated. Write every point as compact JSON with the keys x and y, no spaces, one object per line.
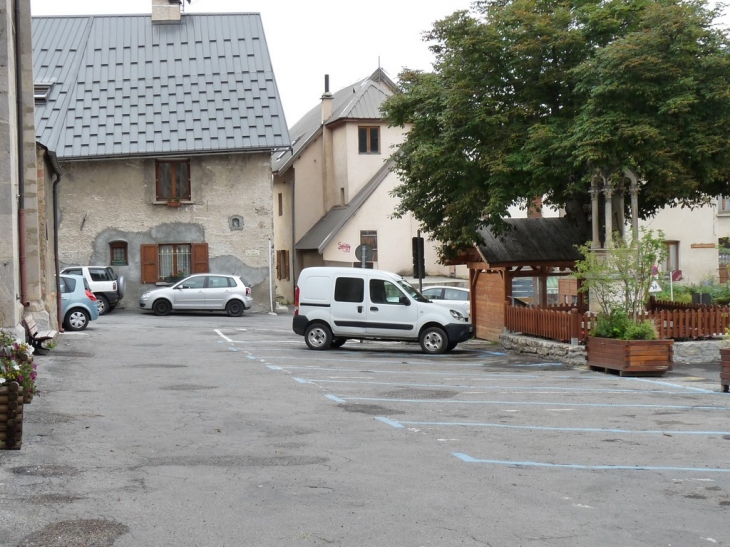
{"x":434,"y":340}
{"x":318,"y":336}
{"x":338,"y":342}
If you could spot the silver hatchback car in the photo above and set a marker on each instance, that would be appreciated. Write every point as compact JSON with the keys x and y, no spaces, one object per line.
{"x":201,"y":292}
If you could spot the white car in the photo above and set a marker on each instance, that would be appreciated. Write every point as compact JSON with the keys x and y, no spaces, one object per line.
{"x":201,"y":292}
{"x":453,"y":297}
{"x":106,"y":285}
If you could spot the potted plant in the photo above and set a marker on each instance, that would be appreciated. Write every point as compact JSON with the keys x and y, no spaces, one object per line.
{"x":17,"y":377}
{"x":173,"y":202}
{"x":618,"y":280}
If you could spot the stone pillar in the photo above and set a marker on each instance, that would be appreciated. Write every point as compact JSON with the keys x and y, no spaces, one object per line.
{"x":608,"y":196}
{"x":596,"y":236}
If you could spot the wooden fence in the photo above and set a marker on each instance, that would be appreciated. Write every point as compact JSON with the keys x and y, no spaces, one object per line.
{"x":573,"y":326}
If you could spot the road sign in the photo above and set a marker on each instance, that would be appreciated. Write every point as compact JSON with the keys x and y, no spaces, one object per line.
{"x":655,"y":287}
{"x":364,"y":253}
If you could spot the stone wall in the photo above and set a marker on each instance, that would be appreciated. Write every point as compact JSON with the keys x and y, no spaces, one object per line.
{"x":550,"y":349}
{"x":692,"y":352}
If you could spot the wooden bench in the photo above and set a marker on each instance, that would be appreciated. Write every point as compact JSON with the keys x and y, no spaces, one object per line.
{"x":35,"y":337}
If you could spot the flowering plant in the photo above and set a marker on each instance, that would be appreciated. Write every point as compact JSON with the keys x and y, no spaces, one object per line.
{"x":16,"y":364}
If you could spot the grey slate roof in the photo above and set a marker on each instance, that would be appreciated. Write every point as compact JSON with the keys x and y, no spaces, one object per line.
{"x":125,"y":86}
{"x":532,"y":240}
{"x":359,"y":101}
{"x":325,"y":230}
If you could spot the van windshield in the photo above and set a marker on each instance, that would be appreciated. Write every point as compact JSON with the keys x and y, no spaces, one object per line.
{"x":413,"y":293}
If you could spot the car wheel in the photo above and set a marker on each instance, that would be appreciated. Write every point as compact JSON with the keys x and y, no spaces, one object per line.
{"x":318,"y":336}
{"x":76,"y":319}
{"x":235,"y":308}
{"x":434,"y":340}
{"x":338,"y":342}
{"x":161,"y":307}
{"x":103,"y":304}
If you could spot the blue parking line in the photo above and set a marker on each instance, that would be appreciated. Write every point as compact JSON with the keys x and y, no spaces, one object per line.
{"x":538,"y":365}
{"x":500,"y":353}
{"x":376,"y":361}
{"x":335,"y":398}
{"x":513,"y":389}
{"x":273,"y":367}
{"x":390,"y":422}
{"x":468,"y":459}
{"x":679,"y":386}
{"x":571,"y":429}
{"x":300,"y":380}
{"x":536,"y":403}
{"x":250,"y":357}
{"x":412,"y":373}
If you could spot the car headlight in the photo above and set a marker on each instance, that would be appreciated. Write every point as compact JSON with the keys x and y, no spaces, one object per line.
{"x":457,"y":315}
{"x":145,"y":296}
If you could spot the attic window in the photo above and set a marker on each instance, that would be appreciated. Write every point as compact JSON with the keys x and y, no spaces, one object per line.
{"x":41,"y":91}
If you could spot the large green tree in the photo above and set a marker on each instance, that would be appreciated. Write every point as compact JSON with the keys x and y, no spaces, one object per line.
{"x":537,"y":97}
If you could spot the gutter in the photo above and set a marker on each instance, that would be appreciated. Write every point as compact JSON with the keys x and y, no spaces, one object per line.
{"x":57,"y":264}
{"x":21,"y":160}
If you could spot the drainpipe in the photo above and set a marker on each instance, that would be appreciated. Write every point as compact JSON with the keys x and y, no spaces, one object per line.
{"x":59,"y":174}
{"x":21,"y":160}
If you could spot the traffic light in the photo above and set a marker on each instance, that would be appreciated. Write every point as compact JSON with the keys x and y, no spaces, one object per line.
{"x":419,"y":261}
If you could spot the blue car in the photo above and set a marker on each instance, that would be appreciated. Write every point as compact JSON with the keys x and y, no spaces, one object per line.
{"x":79,"y":305}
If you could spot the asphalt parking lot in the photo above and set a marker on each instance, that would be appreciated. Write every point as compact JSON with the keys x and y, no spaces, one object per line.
{"x":209,"y":430}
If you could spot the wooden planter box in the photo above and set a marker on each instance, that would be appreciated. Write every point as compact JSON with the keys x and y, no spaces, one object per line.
{"x":11,"y":416}
{"x":630,"y":357}
{"x":725,"y":369}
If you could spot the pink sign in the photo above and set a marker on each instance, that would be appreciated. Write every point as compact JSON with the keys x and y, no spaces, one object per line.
{"x":344,"y":247}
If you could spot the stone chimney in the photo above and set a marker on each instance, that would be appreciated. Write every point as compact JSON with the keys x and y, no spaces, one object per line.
{"x":327,"y":99}
{"x":166,"y":11}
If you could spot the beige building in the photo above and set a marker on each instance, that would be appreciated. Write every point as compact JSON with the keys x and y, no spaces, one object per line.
{"x":165,"y":136}
{"x":698,"y":240}
{"x":332,"y":189}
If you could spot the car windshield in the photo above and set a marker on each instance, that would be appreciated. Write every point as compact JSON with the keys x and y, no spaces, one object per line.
{"x":413,"y":293}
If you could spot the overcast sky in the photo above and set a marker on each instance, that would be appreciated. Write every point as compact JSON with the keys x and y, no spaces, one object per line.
{"x":310,"y":38}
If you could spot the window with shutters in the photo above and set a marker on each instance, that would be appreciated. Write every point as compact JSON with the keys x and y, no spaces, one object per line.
{"x":167,"y":262}
{"x":173,"y":180}
{"x":282,"y":265}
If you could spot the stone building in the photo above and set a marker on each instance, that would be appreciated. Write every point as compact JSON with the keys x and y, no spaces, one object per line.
{"x":164,"y":126}
{"x":27,"y":280}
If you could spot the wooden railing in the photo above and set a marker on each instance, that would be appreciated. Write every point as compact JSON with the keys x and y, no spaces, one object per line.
{"x":654,"y":305}
{"x":574,"y":327}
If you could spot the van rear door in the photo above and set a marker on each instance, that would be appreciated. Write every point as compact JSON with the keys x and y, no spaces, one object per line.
{"x":348,"y":312}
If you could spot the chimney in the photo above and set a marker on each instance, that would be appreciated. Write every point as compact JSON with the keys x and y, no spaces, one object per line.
{"x":534,"y":208}
{"x":327,"y":99}
{"x":166,"y":11}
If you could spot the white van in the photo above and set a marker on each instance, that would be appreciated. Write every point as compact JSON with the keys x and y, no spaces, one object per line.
{"x":333,"y":305}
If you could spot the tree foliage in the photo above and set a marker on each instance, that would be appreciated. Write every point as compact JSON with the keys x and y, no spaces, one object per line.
{"x":536,"y":97}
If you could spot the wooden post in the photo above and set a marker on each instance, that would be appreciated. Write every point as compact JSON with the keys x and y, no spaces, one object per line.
{"x":575,"y":334}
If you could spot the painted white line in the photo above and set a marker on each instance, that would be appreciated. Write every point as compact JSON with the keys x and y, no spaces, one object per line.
{"x":223,"y":336}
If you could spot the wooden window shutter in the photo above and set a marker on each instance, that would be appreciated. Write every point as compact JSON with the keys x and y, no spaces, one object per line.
{"x":286,"y":265}
{"x":148,"y":254}
{"x":278,"y":264}
{"x":200,"y":258}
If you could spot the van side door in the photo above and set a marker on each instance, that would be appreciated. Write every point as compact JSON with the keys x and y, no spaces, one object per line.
{"x":348,"y":310}
{"x":391,"y":313}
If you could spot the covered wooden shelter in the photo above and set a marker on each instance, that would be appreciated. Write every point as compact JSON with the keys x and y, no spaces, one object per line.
{"x":532,"y":247}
